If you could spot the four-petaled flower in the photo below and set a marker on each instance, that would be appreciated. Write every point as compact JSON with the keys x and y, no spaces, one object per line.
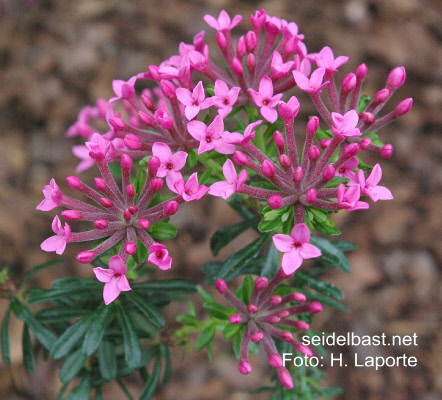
{"x":232,"y":183}
{"x":345,"y":125}
{"x":265,"y":100}
{"x":159,"y":256}
{"x":190,"y":190}
{"x":52,"y":194}
{"x":349,"y":199}
{"x":224,"y":98}
{"x":114,"y":279}
{"x":170,"y":163}
{"x":223,"y":23}
{"x":370,"y":186}
{"x":314,"y":84}
{"x":193,"y":101}
{"x":237,"y":138}
{"x":57,"y":242}
{"x":325,"y":59}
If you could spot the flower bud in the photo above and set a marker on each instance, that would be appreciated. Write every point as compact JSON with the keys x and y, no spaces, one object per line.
{"x":315,"y":307}
{"x":85,"y":257}
{"x":146,"y":118}
{"x":132,"y":209}
{"x":126,"y":161}
{"x":348,"y":83}
{"x":285,"y":378}
{"x":171,"y":207}
{"x":168,"y":89}
{"x":153,"y":164}
{"x":283,"y":314}
{"x":237,"y":66}
{"x":276,"y":300}
{"x":261,"y":283}
{"x":303,"y":349}
{"x":312,"y":125}
{"x":324,"y":143}
{"x":144,"y":223}
{"x":131,"y":248}
{"x":289,"y":110}
{"x":132,"y":142}
{"x":311,"y":196}
{"x":367,"y":117}
{"x":290,"y":45}
{"x":351,"y":150}
{"x":252,"y":308}
{"x":302,"y":325}
{"x":268,"y":169}
{"x":241,"y":47}
{"x":298,"y":296}
{"x":275,"y":202}
{"x":314,"y":153}
{"x":275,"y":360}
{"x":329,"y":172}
{"x":244,"y":368}
{"x":147,"y":101}
{"x":221,"y":40}
{"x":70,"y":215}
{"x":130,"y":190}
{"x":235,"y":319}
{"x":156,"y":184}
{"x":127,"y":215}
{"x":240,"y":158}
{"x":251,"y":41}
{"x":221,"y":285}
{"x":251,"y":62}
{"x":105,"y":202}
{"x":403,"y":107}
{"x":117,"y":123}
{"x":154,"y":72}
{"x":74,"y":182}
{"x":365,"y":143}
{"x":286,"y":336}
{"x":279,"y":140}
{"x":298,"y":174}
{"x":387,"y":151}
{"x":101,"y":224}
{"x":381,"y":96}
{"x":273,"y":319}
{"x":396,"y":78}
{"x":361,"y":71}
{"x":100,"y":184}
{"x":256,"y":337}
{"x":163,"y":119}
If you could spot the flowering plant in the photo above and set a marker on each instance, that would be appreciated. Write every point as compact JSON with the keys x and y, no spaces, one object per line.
{"x":208,"y":130}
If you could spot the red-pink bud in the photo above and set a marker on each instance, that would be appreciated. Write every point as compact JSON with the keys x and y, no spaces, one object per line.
{"x":130,"y":190}
{"x":279,"y":140}
{"x":74,"y":182}
{"x":132,"y":209}
{"x":251,"y":41}
{"x":163,"y":119}
{"x":154,"y":72}
{"x":285,"y":378}
{"x":312,"y":125}
{"x":396,"y":78}
{"x":101,"y":224}
{"x":298,"y":174}
{"x":348,"y":83}
{"x":311,"y":195}
{"x":314,"y":153}
{"x":256,"y":337}
{"x":261,"y":283}
{"x":367,"y":117}
{"x":283,"y":313}
{"x":131,"y":248}
{"x":361,"y":71}
{"x":381,"y":96}
{"x":315,"y":307}
{"x":286,"y":336}
{"x":105,"y":202}
{"x":289,"y":110}
{"x":127,"y":215}
{"x":275,"y":360}
{"x":100,"y":184}
{"x":237,"y":66}
{"x":365,"y":143}
{"x":117,"y":122}
{"x":251,"y":62}
{"x":171,"y":207}
{"x":324,"y":143}
{"x":268,"y":169}
{"x":275,"y":202}
{"x":168,"y":89}
{"x":403,"y":107}
{"x":303,"y":349}
{"x":144,"y":223}
{"x":85,"y":256}
{"x":298,"y":296}
{"x":70,"y":215}
{"x":156,"y":184}
{"x":302,"y":325}
{"x":132,"y":141}
{"x":221,"y":285}
{"x":329,"y":172}
{"x":387,"y":151}
{"x":153,"y":164}
{"x":275,"y":300}
{"x":221,"y":40}
{"x":252,"y":308}
{"x":241,"y":47}
{"x":240,"y":158}
{"x":244,"y":368}
{"x":126,"y":161}
{"x":284,"y":161}
{"x":273,"y":319}
{"x":146,"y":118}
{"x":235,"y":319}
{"x":147,"y":101}
{"x":351,"y":150}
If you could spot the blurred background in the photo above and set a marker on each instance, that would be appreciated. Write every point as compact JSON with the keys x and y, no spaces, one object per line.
{"x":57,"y":56}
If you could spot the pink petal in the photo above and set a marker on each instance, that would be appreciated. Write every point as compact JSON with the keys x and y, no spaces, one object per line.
{"x":103,"y":274}
{"x":243,"y":176}
{"x":300,"y":233}
{"x":284,"y":243}
{"x":191,"y":112}
{"x":270,"y":114}
{"x":257,"y":97}
{"x":216,"y":128}
{"x":221,"y":88}
{"x":316,"y":78}
{"x":184,"y":96}
{"x":162,"y":151}
{"x":220,"y":146}
{"x":375,"y":176}
{"x":222,"y":189}
{"x":291,"y":261}
{"x":351,"y":119}
{"x":378,"y":193}
{"x":236,"y":20}
{"x":229,"y":172}
{"x":211,"y":21}
{"x":123,"y":284}
{"x":302,"y":81}
{"x":178,"y":160}
{"x":197,"y":130}
{"x":266,"y":87}
{"x":307,"y":250}
{"x":116,"y":263}
{"x":110,"y":291}
{"x":56,"y":226}
{"x":224,"y":20}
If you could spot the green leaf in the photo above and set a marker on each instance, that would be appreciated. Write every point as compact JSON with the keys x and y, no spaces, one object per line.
{"x":57,"y":314}
{"x":217,"y":310}
{"x":28,"y":350}
{"x":132,"y":347}
{"x":5,"y":337}
{"x":192,"y":159}
{"x":72,"y":366}
{"x":152,"y":382}
{"x":167,"y":375}
{"x":211,"y":270}
{"x":107,"y":360}
{"x":326,"y":227}
{"x":162,"y":230}
{"x":231,"y":330}
{"x":42,"y":334}
{"x":96,"y":330}
{"x":320,"y":286}
{"x":77,"y":284}
{"x":245,"y":290}
{"x":206,"y":297}
{"x":225,"y":235}
{"x":267,"y":226}
{"x":81,"y":392}
{"x":166,"y":285}
{"x":37,"y":269}
{"x":206,"y":337}
{"x":331,"y":254}
{"x":345,"y":246}
{"x":149,"y":310}
{"x":271,"y":262}
{"x":363,"y":102}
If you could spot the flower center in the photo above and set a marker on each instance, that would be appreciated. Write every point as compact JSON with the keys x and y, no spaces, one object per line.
{"x":297,"y":244}
{"x":169,"y":166}
{"x":160,"y":254}
{"x":208,"y":139}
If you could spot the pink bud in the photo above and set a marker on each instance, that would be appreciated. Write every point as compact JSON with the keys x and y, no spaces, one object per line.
{"x":291,"y":45}
{"x":251,"y":41}
{"x":240,"y":158}
{"x":283,"y":314}
{"x":154,"y":72}
{"x":132,"y":209}
{"x":348,"y":83}
{"x":403,"y":107}
{"x":275,"y":202}
{"x":298,"y":174}
{"x":396,"y":78}
{"x":101,"y":224}
{"x":381,"y":96}
{"x":387,"y":151}
{"x":171,"y":207}
{"x":244,"y":367}
{"x":286,"y":336}
{"x":256,"y":337}
{"x":235,"y":319}
{"x":303,"y":349}
{"x":153,"y":164}
{"x":351,"y":150}
{"x":314,"y":153}
{"x":324,"y":143}
{"x":144,"y":223}
{"x":221,"y":285}
{"x":289,"y":110}
{"x":70,"y":215}
{"x":311,"y":196}
{"x":302,"y":325}
{"x":156,"y":184}
{"x":275,"y":300}
{"x":367,"y":117}
{"x":361,"y":71}
{"x":147,"y":101}
{"x":221,"y":40}
{"x":163,"y":119}
{"x":252,"y":308}
{"x":132,"y":142}
{"x":126,"y":162}
{"x":312,"y":125}
{"x":365,"y":143}
{"x":146,"y":118}
{"x":329,"y":172}
{"x":268,"y":169}
{"x":241,"y":47}
{"x":284,"y":161}
{"x":279,"y":140}
{"x":116,"y":122}
{"x":273,"y":319}
{"x":315,"y":307}
{"x":130,"y":190}
{"x":131,"y":248}
{"x":105,"y":202}
{"x":285,"y":378}
{"x":100,"y":184}
{"x":168,"y":89}
{"x":74,"y":182}
{"x":298,"y":296}
{"x":85,"y":256}
{"x":251,"y":62}
{"x":127,"y":91}
{"x":261,"y":283}
{"x":237,"y":66}
{"x":275,"y":360}
{"x":127,"y":215}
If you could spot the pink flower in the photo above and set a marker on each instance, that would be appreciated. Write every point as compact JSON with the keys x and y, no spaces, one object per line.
{"x":57,"y":242}
{"x":349,"y":199}
{"x":159,"y":256}
{"x":312,"y":85}
{"x":99,"y":147}
{"x":296,"y":248}
{"x":279,"y":68}
{"x":52,"y":194}
{"x":232,"y":184}
{"x":190,"y":190}
{"x":370,"y":187}
{"x":210,"y":136}
{"x":224,"y":98}
{"x":114,"y":279}
{"x":325,"y":59}
{"x":223,"y":23}
{"x":237,"y":138}
{"x":82,"y":152}
{"x":265,"y":100}
{"x":170,"y":163}
{"x":346,"y":169}
{"x":193,"y":101}
{"x":345,"y":125}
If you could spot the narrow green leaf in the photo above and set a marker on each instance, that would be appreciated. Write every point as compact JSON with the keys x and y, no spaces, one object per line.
{"x":166,"y":285}
{"x":331,"y":254}
{"x":247,"y":287}
{"x":326,"y":227}
{"x":71,"y":337}
{"x":345,"y":246}
{"x":271,"y":262}
{"x":319,"y":285}
{"x":107,"y":360}
{"x":363,"y":102}
{"x":37,"y":269}
{"x":269,"y":225}
{"x":81,"y":392}
{"x":42,"y":334}
{"x":211,"y":270}
{"x":96,"y":330}
{"x":231,"y":330}
{"x":206,"y":337}
{"x":217,"y":310}
{"x":152,"y":382}
{"x":132,"y":347}
{"x":206,"y":297}
{"x":162,"y":230}
{"x":167,"y":375}
{"x":72,"y":366}
{"x":28,"y":350}
{"x":77,"y":284}
{"x":38,"y":295}
{"x":149,"y":310}
{"x":57,"y":314}
{"x":225,"y":235}
{"x":5,"y":337}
